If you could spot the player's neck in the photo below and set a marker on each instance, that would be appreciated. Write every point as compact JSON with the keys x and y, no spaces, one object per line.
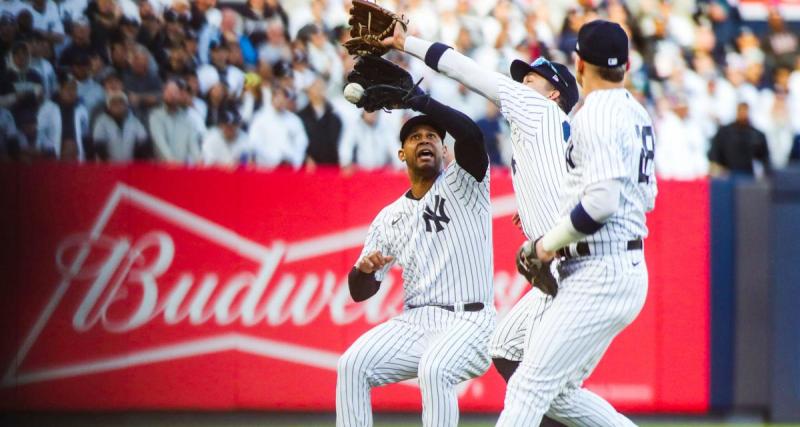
{"x":595,"y":84}
{"x":420,"y":186}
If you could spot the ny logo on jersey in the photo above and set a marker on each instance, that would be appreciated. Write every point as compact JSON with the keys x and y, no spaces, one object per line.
{"x":436,"y":215}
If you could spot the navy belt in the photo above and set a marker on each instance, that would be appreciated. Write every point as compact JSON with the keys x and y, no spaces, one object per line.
{"x":472,"y":306}
{"x":583,"y":249}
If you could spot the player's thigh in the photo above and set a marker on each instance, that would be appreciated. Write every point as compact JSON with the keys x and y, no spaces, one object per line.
{"x":509,"y":338}
{"x":387,"y":353}
{"x":579,"y":325}
{"x":460,"y":350}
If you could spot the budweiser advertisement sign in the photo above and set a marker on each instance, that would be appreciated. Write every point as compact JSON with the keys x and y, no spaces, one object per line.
{"x":142,"y":287}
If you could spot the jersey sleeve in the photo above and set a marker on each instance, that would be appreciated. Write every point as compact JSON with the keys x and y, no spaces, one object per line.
{"x":470,"y":193}
{"x":601,"y":148}
{"x":376,"y":241}
{"x":522,"y":105}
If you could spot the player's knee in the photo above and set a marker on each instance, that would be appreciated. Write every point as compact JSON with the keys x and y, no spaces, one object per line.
{"x":350,"y":363}
{"x":433,"y":372}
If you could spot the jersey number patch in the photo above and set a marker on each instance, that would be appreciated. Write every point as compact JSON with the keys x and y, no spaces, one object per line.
{"x":648,"y":153}
{"x":437,"y":216}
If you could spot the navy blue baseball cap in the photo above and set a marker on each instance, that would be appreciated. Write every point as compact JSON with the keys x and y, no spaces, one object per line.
{"x":602,"y":43}
{"x":557,"y":74}
{"x":420,"y":120}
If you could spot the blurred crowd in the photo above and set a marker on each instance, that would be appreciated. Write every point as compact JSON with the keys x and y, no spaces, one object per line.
{"x":259,"y":82}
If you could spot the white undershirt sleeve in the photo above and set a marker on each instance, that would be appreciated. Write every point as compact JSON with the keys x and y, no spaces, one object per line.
{"x":458,"y":67}
{"x":600,"y":200}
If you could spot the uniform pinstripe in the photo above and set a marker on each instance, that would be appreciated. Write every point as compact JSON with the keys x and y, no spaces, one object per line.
{"x":538,"y":142}
{"x":443,"y":242}
{"x":600,"y":294}
{"x":539,"y":131}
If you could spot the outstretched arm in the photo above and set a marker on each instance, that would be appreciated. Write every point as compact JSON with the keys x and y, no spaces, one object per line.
{"x":470,"y":152}
{"x":447,"y":61}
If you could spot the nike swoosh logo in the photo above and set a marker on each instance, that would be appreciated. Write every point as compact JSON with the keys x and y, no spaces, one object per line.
{"x":636,"y":263}
{"x":396,"y":221}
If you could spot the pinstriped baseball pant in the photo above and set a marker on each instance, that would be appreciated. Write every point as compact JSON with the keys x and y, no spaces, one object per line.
{"x":598,"y":297}
{"x":509,"y":339}
{"x":439,"y":347}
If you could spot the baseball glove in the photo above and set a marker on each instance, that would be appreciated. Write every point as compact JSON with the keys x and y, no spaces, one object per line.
{"x":536,"y":272}
{"x":369,"y":25}
{"x":386,"y":85}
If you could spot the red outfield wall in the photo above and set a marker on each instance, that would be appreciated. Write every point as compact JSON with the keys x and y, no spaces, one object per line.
{"x":146,"y":287}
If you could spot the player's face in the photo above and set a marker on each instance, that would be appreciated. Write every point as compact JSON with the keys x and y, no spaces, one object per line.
{"x":539,"y":84}
{"x":423,"y":151}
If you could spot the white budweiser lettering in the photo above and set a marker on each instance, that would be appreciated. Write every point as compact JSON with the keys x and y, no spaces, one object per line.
{"x":142,"y":264}
{"x":138,"y":275}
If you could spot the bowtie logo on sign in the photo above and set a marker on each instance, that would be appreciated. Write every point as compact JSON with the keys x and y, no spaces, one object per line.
{"x":179,"y":285}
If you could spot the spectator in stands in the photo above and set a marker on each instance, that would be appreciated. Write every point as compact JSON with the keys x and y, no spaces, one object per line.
{"x":80,"y":43}
{"x":277,"y":47}
{"x":174,"y":34}
{"x":323,"y":127}
{"x":63,"y":124}
{"x":322,"y":55}
{"x":117,"y":133}
{"x":277,"y":135}
{"x":40,"y":61}
{"x":780,"y":43}
{"x":199,"y":13}
{"x":21,"y":89}
{"x":104,"y":17}
{"x":369,"y":145}
{"x":150,"y":34}
{"x":90,"y":92}
{"x":257,"y":13}
{"x":226,"y":144}
{"x":8,"y":35}
{"x":196,"y":107}
{"x":217,"y":104}
{"x":25,"y":28}
{"x":128,"y":30}
{"x":72,"y":10}
{"x":177,"y":64}
{"x":778,"y":128}
{"x":142,"y":84}
{"x":737,"y":146}
{"x":220,"y":70}
{"x":47,"y":20}
{"x":175,"y":137}
{"x":491,"y":125}
{"x":682,"y":147}
{"x":242,"y":53}
{"x":10,"y":138}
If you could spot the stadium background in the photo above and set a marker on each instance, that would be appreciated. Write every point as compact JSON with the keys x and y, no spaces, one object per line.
{"x":111,"y":239}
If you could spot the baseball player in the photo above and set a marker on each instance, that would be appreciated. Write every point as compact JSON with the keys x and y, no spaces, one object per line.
{"x":603,"y":277}
{"x":535,"y":101}
{"x":440,"y":233}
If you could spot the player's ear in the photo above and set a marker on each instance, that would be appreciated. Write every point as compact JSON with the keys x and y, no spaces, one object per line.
{"x":401,"y":155}
{"x":554,"y":94}
{"x":627,"y":66}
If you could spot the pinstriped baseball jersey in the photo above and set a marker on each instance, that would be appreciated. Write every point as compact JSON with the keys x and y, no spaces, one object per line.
{"x":613,"y":139}
{"x":539,"y":131}
{"x":443,"y":241}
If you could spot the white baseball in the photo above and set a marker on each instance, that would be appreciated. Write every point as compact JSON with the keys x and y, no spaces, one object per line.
{"x":353,"y":92}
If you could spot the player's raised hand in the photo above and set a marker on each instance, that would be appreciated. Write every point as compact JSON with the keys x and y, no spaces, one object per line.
{"x":374,"y":262}
{"x":397,"y":40}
